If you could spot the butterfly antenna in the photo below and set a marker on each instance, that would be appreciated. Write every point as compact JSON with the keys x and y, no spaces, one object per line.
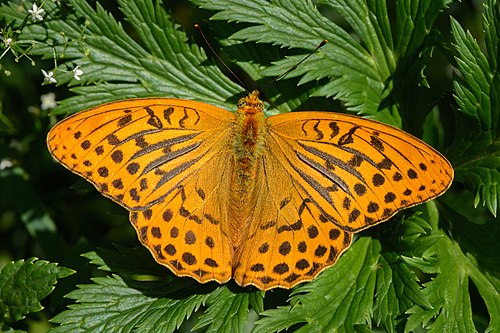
{"x":197,"y":27}
{"x":323,"y":42}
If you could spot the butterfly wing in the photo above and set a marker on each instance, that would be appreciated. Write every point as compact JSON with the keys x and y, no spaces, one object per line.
{"x":324,"y":176}
{"x":165,"y":160}
{"x":359,"y":171}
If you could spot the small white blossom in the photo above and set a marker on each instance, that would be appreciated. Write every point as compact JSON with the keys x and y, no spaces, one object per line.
{"x":77,"y":72}
{"x":49,"y":77}
{"x":5,"y":163}
{"x":48,"y":101}
{"x":36,"y":13}
{"x":7,"y":42}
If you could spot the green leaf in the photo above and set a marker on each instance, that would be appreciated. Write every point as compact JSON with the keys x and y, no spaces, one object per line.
{"x":227,"y":311}
{"x":115,"y":304}
{"x":144,"y":300}
{"x":415,"y":39}
{"x":354,"y":74}
{"x":451,"y":309}
{"x":453,"y":264}
{"x":257,"y":301}
{"x":24,"y":283}
{"x":414,"y":20}
{"x":477,"y":92}
{"x":398,"y":286}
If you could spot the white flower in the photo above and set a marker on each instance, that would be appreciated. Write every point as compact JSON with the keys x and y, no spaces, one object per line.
{"x":49,"y":77}
{"x":5,"y":163}
{"x":36,"y":13}
{"x":77,"y":72}
{"x":48,"y":101}
{"x":7,"y":42}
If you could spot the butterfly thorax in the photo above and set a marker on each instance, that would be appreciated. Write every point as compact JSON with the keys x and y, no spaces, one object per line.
{"x":250,"y":131}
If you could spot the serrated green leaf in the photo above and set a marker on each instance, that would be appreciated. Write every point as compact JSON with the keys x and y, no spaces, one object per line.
{"x":477,"y":93}
{"x":417,"y":243}
{"x":398,"y":287}
{"x":417,"y":235}
{"x":448,"y":293}
{"x":115,"y":304}
{"x":149,"y":302}
{"x":483,"y":177}
{"x":491,"y":27}
{"x":368,"y":26}
{"x":471,"y":258}
{"x":24,"y":283}
{"x":415,"y":41}
{"x":414,"y":19}
{"x":227,"y":311}
{"x":397,"y":290}
{"x":299,"y":24}
{"x":256,"y":301}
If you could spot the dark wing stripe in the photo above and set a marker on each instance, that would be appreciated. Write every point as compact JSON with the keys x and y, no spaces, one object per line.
{"x":360,"y":154}
{"x":323,"y":192}
{"x":168,"y":176}
{"x":162,"y":144}
{"x":387,"y":143}
{"x":325,"y":172}
{"x":337,"y":162}
{"x":168,"y":157}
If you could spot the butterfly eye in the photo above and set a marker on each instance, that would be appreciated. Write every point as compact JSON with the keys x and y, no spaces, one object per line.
{"x":260,"y":105}
{"x":241,"y":103}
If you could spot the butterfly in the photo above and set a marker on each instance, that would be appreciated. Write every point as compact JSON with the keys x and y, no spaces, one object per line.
{"x":269,"y":202}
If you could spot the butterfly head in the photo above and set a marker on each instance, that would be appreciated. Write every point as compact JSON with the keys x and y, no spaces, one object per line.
{"x":251,"y":104}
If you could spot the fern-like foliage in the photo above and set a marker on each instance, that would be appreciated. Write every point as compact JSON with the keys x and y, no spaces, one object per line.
{"x":477,"y":92}
{"x":414,"y":273}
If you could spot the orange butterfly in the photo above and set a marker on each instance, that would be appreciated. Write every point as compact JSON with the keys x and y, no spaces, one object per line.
{"x":270,"y":202}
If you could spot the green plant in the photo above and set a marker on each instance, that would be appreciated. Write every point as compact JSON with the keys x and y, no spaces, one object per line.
{"x":435,"y":266}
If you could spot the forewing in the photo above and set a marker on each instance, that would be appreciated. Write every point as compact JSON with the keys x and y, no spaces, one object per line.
{"x":134,"y":150}
{"x":358,"y":172}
